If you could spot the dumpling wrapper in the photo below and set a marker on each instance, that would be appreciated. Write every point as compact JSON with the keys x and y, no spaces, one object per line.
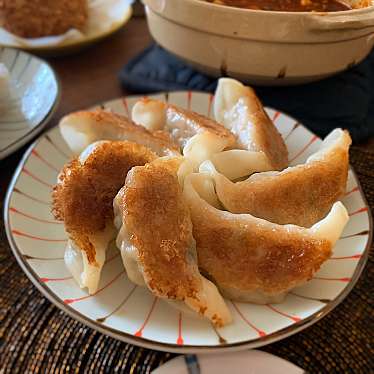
{"x":253,"y":260}
{"x":198,"y":136}
{"x":156,"y":242}
{"x":80,"y":129}
{"x":301,"y":195}
{"x":83,"y":199}
{"x":85,"y":266}
{"x":238,"y":108}
{"x":236,"y":163}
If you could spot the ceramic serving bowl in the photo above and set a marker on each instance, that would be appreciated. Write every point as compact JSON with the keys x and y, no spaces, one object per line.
{"x":262,"y":47}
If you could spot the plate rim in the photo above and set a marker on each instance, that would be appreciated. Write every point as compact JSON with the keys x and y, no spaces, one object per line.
{"x":76,"y":43}
{"x":170,"y":347}
{"x":19,"y":142}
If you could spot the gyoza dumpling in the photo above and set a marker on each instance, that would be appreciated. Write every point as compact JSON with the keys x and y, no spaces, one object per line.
{"x":301,"y":195}
{"x":181,"y":124}
{"x":254,"y":260}
{"x":198,"y":136}
{"x":238,"y":108}
{"x":80,"y":129}
{"x":83,"y":199}
{"x":237,"y":163}
{"x":156,"y":241}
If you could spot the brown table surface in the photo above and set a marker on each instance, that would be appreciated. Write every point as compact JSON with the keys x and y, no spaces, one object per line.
{"x":91,"y":77}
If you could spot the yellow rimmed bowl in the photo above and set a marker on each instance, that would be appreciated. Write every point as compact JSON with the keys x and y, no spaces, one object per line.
{"x":121,"y":8}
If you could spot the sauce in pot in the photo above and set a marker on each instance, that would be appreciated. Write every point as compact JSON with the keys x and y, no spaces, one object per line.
{"x":287,"y":5}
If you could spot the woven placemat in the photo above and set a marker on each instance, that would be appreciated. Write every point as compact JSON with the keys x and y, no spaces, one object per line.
{"x":36,"y":337}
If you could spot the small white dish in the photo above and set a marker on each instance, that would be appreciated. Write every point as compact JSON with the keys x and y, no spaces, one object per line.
{"x":246,"y":362}
{"x":132,"y":314}
{"x":34,"y":94}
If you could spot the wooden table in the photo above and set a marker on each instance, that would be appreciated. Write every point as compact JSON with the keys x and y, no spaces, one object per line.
{"x":91,"y":76}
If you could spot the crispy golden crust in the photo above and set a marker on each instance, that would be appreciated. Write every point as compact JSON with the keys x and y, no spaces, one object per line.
{"x":300,"y":195}
{"x":104,"y":125}
{"x":247,"y":254}
{"x":267,"y":138}
{"x":155,"y":214}
{"x":240,"y":110}
{"x":198,"y":123}
{"x":83,"y":197}
{"x":36,"y":18}
{"x":362,"y":4}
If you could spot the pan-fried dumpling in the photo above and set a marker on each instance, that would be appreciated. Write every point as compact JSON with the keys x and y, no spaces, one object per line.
{"x":181,"y":124}
{"x":198,"y":136}
{"x":80,"y":129}
{"x":156,"y":242}
{"x":238,"y":108}
{"x":83,"y":199}
{"x":236,"y":163}
{"x":254,"y":260}
{"x":301,"y":195}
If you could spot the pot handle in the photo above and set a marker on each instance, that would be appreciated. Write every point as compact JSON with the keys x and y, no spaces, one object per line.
{"x":348,"y":22}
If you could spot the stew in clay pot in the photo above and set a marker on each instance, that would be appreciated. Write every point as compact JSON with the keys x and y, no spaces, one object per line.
{"x":287,"y":5}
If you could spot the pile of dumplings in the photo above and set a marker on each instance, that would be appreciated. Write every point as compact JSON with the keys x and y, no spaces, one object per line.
{"x":200,"y":209}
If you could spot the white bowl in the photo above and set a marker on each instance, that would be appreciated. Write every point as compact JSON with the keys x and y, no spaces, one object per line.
{"x":31,"y":102}
{"x":262,"y":47}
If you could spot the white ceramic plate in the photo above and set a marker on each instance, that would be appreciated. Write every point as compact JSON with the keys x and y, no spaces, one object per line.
{"x":34,"y":96}
{"x":250,"y":362}
{"x":133,"y":314}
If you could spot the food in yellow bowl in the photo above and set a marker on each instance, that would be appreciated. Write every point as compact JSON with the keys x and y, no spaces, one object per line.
{"x":36,"y":18}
